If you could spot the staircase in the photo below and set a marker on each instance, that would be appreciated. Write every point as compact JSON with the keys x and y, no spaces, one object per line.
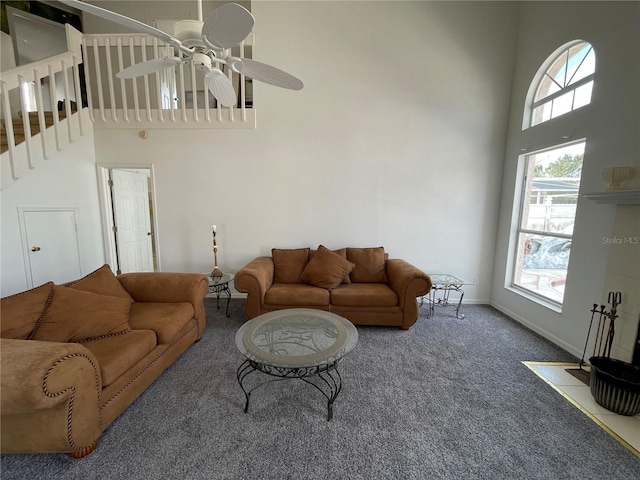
{"x":19,"y":133}
{"x":35,"y":88}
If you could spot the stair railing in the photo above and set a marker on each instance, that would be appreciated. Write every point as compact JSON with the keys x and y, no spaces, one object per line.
{"x":48,"y":82}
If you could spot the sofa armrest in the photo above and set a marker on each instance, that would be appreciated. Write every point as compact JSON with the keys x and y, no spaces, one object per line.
{"x":255,"y":279}
{"x":158,"y":287}
{"x":408,"y":282}
{"x":49,"y":397}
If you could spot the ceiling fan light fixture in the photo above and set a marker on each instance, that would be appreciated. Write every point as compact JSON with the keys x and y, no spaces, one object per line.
{"x":201,"y":61}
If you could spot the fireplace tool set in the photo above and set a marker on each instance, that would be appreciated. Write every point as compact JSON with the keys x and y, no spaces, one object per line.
{"x":614,"y":384}
{"x":606,"y":327}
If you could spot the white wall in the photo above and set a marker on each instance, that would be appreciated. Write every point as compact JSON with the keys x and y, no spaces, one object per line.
{"x":67,"y":179}
{"x":610,"y":125}
{"x":396,"y":140}
{"x":7,"y":57}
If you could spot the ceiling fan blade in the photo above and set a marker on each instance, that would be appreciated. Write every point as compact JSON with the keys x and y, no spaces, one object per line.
{"x":151,"y":66}
{"x":265,"y":73}
{"x":227,"y":26}
{"x":126,"y":21}
{"x":220,"y":87}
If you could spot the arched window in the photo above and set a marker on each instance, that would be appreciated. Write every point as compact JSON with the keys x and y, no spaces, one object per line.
{"x":563,"y":83}
{"x":549,"y":178}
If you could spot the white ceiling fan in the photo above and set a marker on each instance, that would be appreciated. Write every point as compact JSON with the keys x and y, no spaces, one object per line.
{"x":203,"y":43}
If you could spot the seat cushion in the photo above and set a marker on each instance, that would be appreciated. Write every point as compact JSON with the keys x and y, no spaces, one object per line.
{"x":101,"y":281}
{"x":326,"y":269}
{"x":73,"y":315}
{"x":364,"y":295}
{"x":288,"y":264}
{"x":118,"y":353}
{"x":296,"y":295}
{"x":20,"y":312}
{"x":369,"y":265}
{"x":166,"y":319}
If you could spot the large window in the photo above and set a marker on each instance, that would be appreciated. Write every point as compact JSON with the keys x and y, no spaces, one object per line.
{"x":564,"y":83}
{"x":548,"y":204}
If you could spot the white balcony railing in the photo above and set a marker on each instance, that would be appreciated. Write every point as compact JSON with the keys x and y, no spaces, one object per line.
{"x":173,"y":97}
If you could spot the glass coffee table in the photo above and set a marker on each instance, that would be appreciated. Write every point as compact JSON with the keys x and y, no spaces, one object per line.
{"x":296,"y":343}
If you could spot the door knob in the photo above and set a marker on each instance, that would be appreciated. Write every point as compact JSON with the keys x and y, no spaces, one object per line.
{"x":35,"y":249}
{"x":149,"y":233}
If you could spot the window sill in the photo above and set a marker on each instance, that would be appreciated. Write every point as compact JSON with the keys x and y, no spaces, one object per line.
{"x":540,"y":300}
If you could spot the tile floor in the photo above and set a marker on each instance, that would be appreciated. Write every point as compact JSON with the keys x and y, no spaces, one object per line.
{"x":625,"y":429}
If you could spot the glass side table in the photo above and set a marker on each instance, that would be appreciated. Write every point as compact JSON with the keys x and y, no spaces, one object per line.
{"x":220,"y":285}
{"x":444,"y":283}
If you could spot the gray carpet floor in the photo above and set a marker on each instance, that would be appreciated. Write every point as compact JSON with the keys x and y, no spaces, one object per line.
{"x":448,"y":399}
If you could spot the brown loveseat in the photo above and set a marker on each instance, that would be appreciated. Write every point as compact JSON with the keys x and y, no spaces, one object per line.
{"x":360,"y":284}
{"x":75,"y":356}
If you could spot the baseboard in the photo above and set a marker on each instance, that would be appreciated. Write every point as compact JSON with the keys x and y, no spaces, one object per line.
{"x":540,"y":331}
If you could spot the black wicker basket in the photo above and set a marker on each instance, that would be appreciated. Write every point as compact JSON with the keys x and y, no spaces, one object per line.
{"x":615,"y":385}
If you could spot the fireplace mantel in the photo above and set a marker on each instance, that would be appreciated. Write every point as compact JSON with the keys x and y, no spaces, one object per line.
{"x":615,"y":197}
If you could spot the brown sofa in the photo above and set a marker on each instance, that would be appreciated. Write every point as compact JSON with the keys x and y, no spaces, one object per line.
{"x":360,"y":284}
{"x":74,"y":356}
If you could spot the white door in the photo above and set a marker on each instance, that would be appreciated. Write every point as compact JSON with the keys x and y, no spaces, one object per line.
{"x":132,"y":217}
{"x":51,"y":245}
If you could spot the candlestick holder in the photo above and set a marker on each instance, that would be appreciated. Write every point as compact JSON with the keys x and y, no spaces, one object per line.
{"x":216,"y":272}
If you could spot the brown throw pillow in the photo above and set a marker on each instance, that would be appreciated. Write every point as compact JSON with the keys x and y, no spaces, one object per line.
{"x":326,"y":269}
{"x":20,"y":312}
{"x":288,"y":264}
{"x":343,"y":253}
{"x":370,"y":266}
{"x":102,"y":281}
{"x":74,"y":316}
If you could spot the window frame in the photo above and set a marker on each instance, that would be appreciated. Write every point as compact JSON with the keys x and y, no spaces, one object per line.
{"x":531,"y":104}
{"x":522,"y":190}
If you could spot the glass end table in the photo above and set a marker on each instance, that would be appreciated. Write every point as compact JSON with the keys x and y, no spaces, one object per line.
{"x":218,"y":285}
{"x":444,"y":283}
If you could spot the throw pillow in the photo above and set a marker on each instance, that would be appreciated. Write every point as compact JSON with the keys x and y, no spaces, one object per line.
{"x":288,"y":264}
{"x":73,"y":316}
{"x":370,"y":265}
{"x":343,"y":253}
{"x":102,"y":281}
{"x":326,"y":269}
{"x":20,"y":312}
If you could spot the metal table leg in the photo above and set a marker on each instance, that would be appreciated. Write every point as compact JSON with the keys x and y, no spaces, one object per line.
{"x":218,"y":289}
{"x":330,"y":384}
{"x":444,"y":299}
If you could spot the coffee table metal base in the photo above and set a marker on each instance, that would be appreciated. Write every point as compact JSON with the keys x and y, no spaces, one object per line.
{"x":329,"y":385}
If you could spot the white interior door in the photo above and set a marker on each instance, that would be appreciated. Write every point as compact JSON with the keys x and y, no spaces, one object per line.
{"x":50,"y":244}
{"x":132,"y":217}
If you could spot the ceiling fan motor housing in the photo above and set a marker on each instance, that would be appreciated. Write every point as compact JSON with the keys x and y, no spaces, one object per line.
{"x":189,"y":32}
